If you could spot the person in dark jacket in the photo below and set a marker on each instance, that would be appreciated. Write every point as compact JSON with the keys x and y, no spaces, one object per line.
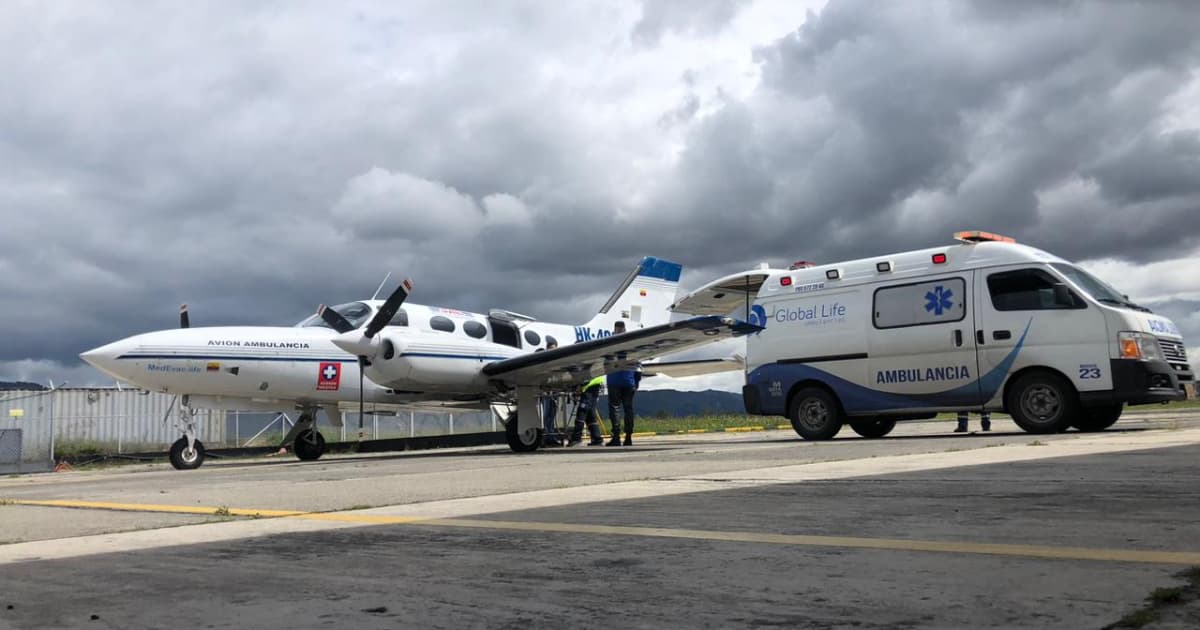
{"x":621,"y":386}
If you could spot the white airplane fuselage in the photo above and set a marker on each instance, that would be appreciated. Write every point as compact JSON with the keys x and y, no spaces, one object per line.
{"x":248,"y":367}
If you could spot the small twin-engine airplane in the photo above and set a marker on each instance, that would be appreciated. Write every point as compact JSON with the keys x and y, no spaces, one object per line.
{"x":414,"y":357}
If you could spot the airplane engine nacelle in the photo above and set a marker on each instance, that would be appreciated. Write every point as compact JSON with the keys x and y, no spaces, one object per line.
{"x":430,"y":362}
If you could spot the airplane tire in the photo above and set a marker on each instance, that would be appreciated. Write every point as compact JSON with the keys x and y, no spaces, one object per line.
{"x":872,"y":427}
{"x":816,"y":414}
{"x":309,"y":445}
{"x":521,"y":442}
{"x":182,"y":459}
{"x":1097,"y":418}
{"x":1042,"y":402}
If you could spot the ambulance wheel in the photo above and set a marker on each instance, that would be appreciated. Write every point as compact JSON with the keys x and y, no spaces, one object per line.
{"x":525,"y":441}
{"x":184,"y":459}
{"x":1042,"y":402}
{"x":1097,"y":418}
{"x":872,"y":427}
{"x":309,"y":445}
{"x":816,"y":414}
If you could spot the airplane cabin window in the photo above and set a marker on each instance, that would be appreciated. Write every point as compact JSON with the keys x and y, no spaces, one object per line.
{"x":475,"y":329}
{"x":532,"y":338}
{"x":444,"y":324}
{"x":551,"y":340}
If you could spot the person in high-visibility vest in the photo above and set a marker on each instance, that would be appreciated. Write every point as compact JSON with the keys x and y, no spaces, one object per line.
{"x":586,"y":414}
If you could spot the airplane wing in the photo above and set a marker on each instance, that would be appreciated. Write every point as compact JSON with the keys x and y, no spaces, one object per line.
{"x":576,"y":363}
{"x":697,"y":367}
{"x":723,"y":296}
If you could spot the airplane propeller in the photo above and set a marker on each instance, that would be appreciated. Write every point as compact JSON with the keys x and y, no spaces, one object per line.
{"x":334,"y":319}
{"x":362,"y":346}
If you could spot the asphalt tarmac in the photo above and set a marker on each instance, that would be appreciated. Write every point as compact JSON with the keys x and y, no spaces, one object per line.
{"x":922,"y":530}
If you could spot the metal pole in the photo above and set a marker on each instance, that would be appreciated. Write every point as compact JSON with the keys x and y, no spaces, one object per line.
{"x":412,"y":427}
{"x":237,"y":428}
{"x":374,"y":425}
{"x":451,"y":424}
{"x":53,"y":394}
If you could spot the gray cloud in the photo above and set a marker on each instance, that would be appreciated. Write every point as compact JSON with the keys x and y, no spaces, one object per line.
{"x":254,"y":161}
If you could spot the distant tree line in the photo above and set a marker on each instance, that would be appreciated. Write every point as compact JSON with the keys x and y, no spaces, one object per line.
{"x":7,"y":386}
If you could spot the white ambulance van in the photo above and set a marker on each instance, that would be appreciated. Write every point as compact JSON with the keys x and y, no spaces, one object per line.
{"x":984,"y":324}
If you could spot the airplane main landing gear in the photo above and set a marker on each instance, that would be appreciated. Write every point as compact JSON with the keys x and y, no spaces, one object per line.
{"x":521,"y":441}
{"x":305,"y":439}
{"x":309,"y":445}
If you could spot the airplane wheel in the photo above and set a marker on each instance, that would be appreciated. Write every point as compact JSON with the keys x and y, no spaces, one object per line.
{"x":872,"y":427}
{"x":524,"y":441}
{"x":1097,"y":418}
{"x":184,"y":459}
{"x":309,"y":445}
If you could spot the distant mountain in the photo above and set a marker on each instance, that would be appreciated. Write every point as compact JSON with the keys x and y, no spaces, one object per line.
{"x":6,"y":386}
{"x":671,"y":403}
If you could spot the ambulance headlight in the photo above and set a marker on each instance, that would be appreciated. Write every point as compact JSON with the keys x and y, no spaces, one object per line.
{"x":1141,"y":346}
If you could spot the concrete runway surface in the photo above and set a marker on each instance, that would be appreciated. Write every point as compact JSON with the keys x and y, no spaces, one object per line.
{"x":923,"y":529}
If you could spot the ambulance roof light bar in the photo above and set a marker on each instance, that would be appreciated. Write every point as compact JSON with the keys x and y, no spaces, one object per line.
{"x":976,"y":236}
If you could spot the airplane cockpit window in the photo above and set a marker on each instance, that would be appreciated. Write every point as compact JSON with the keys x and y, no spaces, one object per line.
{"x":399,"y":319}
{"x":356,"y":313}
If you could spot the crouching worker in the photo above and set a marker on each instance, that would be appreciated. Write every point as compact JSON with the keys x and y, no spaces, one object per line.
{"x":586,"y":414}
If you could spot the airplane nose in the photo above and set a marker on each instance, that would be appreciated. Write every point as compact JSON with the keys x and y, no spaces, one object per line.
{"x":104,"y":358}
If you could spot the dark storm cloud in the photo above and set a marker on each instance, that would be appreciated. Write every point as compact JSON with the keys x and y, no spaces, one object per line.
{"x":256,"y":160}
{"x":917,"y":119}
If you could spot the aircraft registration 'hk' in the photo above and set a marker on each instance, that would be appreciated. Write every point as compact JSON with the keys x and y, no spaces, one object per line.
{"x":410,"y":356}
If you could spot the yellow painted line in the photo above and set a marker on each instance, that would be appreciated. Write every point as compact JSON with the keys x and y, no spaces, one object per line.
{"x":649,"y":434}
{"x":743,"y":429}
{"x":696,"y":431}
{"x":798,"y":540}
{"x":891,"y":544}
{"x":156,"y":507}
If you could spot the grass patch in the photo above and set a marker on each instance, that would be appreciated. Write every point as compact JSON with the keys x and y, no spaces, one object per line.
{"x":1168,"y":595}
{"x":1037,"y":443}
{"x":1162,"y":599}
{"x":222,"y":511}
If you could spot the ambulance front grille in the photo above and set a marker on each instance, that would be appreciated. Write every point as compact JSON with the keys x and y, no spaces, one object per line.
{"x":1173,"y":351}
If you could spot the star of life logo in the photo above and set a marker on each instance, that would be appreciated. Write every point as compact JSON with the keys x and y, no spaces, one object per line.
{"x":329,"y":376}
{"x":939,"y":300}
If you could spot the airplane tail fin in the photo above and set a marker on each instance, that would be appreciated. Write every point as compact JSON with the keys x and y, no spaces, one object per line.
{"x":640,"y":301}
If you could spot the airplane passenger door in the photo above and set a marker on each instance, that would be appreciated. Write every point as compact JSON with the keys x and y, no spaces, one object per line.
{"x":504,"y":332}
{"x":922,"y":347}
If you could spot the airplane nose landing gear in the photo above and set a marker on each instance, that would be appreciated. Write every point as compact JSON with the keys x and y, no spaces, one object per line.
{"x":184,"y":457}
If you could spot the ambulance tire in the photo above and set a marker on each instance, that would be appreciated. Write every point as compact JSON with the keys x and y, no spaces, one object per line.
{"x":1097,"y":418}
{"x":309,"y":445}
{"x":526,"y":442}
{"x":1043,"y":402}
{"x":872,"y":427}
{"x":816,"y":414}
{"x":183,"y":459}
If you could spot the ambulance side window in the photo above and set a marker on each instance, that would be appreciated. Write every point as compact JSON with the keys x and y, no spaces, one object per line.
{"x":923,"y":303}
{"x":1030,"y":290}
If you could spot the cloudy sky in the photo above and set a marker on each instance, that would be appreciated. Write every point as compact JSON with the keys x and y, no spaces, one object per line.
{"x":256,"y":159}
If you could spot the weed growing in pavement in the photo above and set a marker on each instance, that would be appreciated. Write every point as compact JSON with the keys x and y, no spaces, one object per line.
{"x":222,"y":511}
{"x":1037,"y":443}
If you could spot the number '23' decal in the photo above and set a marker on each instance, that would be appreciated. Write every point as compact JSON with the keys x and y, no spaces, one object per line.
{"x":1089,"y":371}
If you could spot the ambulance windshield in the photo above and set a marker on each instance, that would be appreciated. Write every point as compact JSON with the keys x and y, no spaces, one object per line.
{"x":356,"y":313}
{"x":1100,"y":290}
